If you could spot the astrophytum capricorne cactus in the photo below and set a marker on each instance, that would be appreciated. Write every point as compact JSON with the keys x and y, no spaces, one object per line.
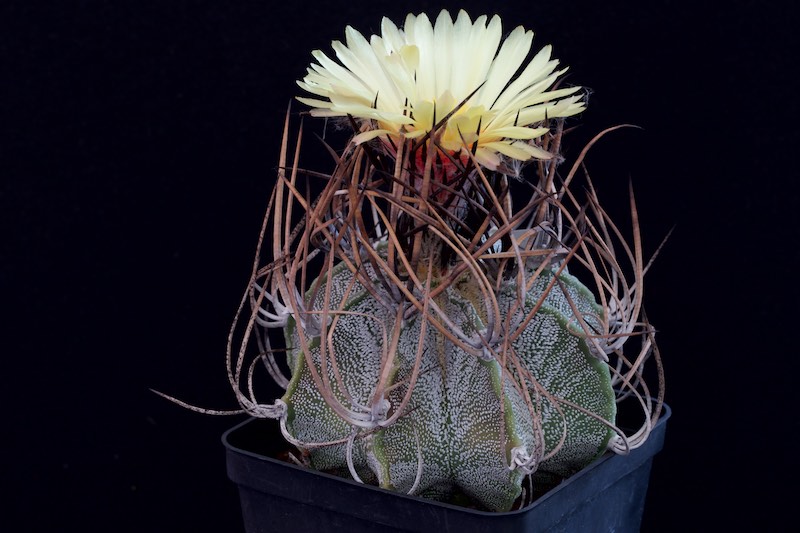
{"x":435,"y":341}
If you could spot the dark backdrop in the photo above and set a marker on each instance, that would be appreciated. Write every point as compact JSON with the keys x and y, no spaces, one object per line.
{"x":138,"y":142}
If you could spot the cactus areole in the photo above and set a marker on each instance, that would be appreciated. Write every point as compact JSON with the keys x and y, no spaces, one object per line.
{"x":422,"y":313}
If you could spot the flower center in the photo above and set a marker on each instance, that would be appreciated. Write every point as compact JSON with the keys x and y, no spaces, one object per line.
{"x":462,"y":128}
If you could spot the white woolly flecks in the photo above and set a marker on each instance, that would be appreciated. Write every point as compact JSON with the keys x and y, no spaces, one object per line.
{"x":402,"y":83}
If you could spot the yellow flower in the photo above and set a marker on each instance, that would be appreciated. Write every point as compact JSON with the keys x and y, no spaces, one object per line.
{"x":402,"y":83}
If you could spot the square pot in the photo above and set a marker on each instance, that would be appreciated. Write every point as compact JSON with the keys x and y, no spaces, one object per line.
{"x":276,"y":496}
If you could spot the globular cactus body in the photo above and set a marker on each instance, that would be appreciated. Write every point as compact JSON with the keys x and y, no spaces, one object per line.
{"x":468,"y":417}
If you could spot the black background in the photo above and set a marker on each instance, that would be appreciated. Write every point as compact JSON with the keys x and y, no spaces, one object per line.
{"x":138,"y":142}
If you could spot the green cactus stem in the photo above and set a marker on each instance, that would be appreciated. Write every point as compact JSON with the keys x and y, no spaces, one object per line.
{"x":466,"y":421}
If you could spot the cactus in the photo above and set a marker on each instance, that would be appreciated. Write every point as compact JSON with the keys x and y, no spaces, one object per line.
{"x":434,"y":338}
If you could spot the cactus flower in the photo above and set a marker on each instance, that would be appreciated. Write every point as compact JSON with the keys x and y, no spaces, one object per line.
{"x":402,"y":83}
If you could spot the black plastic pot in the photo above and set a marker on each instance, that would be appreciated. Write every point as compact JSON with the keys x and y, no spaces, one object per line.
{"x":277,"y":496}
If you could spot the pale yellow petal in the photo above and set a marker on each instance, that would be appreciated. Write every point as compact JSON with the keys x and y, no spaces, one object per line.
{"x":422,"y":37}
{"x":513,"y":52}
{"x":444,"y":52}
{"x":370,"y":68}
{"x":326,"y":113}
{"x":487,"y":158}
{"x":517,"y":132}
{"x":462,"y":60}
{"x":485,"y":41}
{"x":539,"y":68}
{"x":313,"y":102}
{"x":415,"y":134}
{"x":394,"y":39}
{"x":520,"y":151}
{"x":369,"y":135}
{"x":524,"y":101}
{"x":337,"y":72}
{"x":563,"y":108}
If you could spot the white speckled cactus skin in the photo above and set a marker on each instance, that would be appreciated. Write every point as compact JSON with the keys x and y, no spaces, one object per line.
{"x":466,"y":420}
